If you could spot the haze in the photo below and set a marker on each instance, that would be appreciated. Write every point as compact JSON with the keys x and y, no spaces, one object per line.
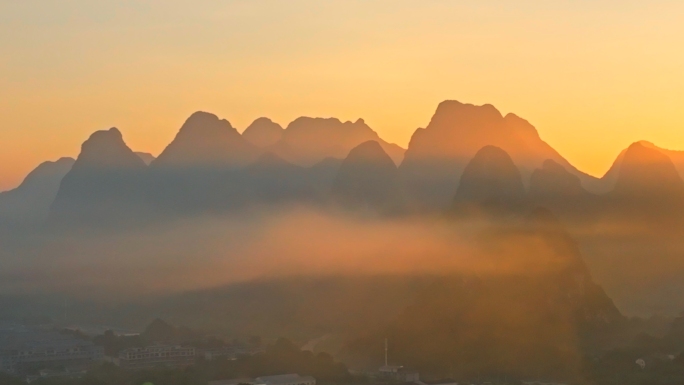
{"x":592,"y":76}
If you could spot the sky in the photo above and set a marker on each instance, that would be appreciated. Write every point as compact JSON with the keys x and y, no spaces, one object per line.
{"x":592,"y":75}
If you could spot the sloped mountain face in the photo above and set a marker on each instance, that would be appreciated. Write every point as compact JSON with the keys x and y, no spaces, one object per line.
{"x":271,"y":179}
{"x":555,"y":188}
{"x":200,"y":169}
{"x":677,"y":157}
{"x":646,"y":172}
{"x":146,"y":157}
{"x":648,"y":187}
{"x":368,"y":178}
{"x":490,"y":182}
{"x":307,"y":141}
{"x":263,"y":133}
{"x":437,"y":155}
{"x":522,"y":325}
{"x":103,"y":184}
{"x":610,"y":178}
{"x":204,"y":141}
{"x":30,"y":202}
{"x":552,"y":179}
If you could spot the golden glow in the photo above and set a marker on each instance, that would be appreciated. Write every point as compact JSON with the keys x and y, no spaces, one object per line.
{"x":592,"y":76}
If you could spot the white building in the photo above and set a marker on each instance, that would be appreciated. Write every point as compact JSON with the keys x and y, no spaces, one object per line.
{"x":157,"y":356}
{"x":24,"y":349}
{"x":282,"y":379}
{"x":286,"y":379}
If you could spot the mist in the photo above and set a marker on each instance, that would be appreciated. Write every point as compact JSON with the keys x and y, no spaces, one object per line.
{"x":205,"y":252}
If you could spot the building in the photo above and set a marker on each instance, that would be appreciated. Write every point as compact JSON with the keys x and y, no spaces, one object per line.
{"x":537,"y":382}
{"x":157,"y":356}
{"x":286,"y":379}
{"x":282,"y":379}
{"x":227,"y":352}
{"x":26,"y":350}
{"x":50,"y":373}
{"x":397,"y":372}
{"x":444,"y":381}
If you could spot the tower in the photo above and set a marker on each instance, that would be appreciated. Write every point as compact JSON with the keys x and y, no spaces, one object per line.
{"x":385,"y":351}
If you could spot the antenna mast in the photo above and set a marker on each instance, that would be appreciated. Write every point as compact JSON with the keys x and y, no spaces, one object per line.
{"x":385,"y":351}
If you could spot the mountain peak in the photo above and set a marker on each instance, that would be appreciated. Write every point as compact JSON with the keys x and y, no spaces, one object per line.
{"x":204,"y":123}
{"x":307,"y":141}
{"x":491,"y":181}
{"x":106,"y":148}
{"x":369,"y":151}
{"x":552,"y":179}
{"x":646,"y":170}
{"x":263,"y":132}
{"x":103,"y":180}
{"x":205,"y":140}
{"x":368,"y":178}
{"x":452,"y":113}
{"x":438,"y":154}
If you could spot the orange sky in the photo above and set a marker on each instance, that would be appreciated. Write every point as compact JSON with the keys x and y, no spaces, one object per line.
{"x":592,"y":76}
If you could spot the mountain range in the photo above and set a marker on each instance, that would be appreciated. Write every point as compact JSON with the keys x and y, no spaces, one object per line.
{"x":468,"y":160}
{"x":211,"y":166}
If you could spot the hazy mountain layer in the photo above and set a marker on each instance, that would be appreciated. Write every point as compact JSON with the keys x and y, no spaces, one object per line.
{"x":30,"y":202}
{"x":103,"y":185}
{"x":307,"y":141}
{"x":437,"y":154}
{"x":263,"y":132}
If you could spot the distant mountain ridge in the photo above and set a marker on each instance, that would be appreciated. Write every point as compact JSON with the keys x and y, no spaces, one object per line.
{"x":438,"y":153}
{"x":368,"y":178}
{"x":210,"y":166}
{"x":307,"y":141}
{"x":102,"y":185}
{"x":31,"y":200}
{"x":263,"y":133}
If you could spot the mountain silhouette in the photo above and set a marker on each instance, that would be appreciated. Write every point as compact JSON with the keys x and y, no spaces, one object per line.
{"x":368,"y":178}
{"x":145,"y":156}
{"x":677,"y":157}
{"x":204,"y":141}
{"x":103,"y":185}
{"x":553,"y":179}
{"x":491,"y":183}
{"x":272,"y":179}
{"x":645,"y":172}
{"x":307,"y":141}
{"x":648,"y":187}
{"x":437,"y":155}
{"x":497,"y":322}
{"x":263,"y":133}
{"x":552,"y":186}
{"x":200,"y":169}
{"x":31,"y":200}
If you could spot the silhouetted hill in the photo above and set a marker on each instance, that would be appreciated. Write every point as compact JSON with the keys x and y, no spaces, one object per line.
{"x":677,"y":157}
{"x":368,"y":178}
{"x":648,"y":187}
{"x":271,"y":179}
{"x":103,"y":185}
{"x":307,"y":141}
{"x":30,"y":201}
{"x":146,"y":157}
{"x":610,"y":177}
{"x":200,"y":169}
{"x":438,"y":154}
{"x":553,"y":179}
{"x":520,"y":325}
{"x":204,"y":141}
{"x":490,"y":183}
{"x":263,"y":132}
{"x":554,"y":187}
